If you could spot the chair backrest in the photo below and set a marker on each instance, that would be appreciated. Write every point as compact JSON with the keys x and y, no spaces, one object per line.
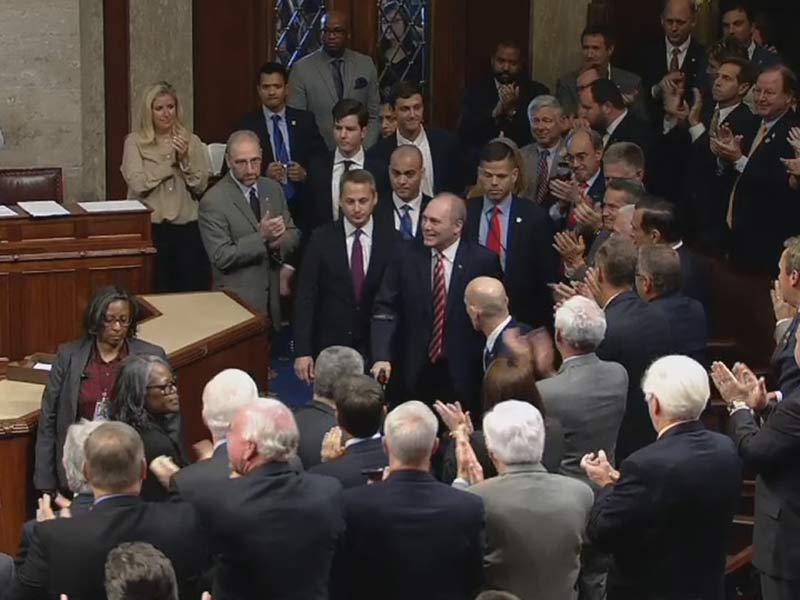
{"x":19,"y":185}
{"x":216,"y":154}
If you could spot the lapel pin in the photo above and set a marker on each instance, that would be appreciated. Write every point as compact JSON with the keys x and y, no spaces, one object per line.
{"x":519,"y":219}
{"x":294,"y":122}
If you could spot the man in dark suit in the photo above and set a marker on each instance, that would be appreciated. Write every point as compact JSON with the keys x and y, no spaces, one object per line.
{"x":785,"y":301}
{"x":518,"y":231}
{"x":340,"y":275}
{"x":289,"y":138}
{"x":318,"y":417}
{"x":441,"y":155}
{"x":658,"y":281}
{"x":666,"y":514}
{"x":497,"y":104}
{"x":400,"y":533}
{"x":6,"y":574}
{"x":359,"y":413}
{"x":588,"y":184}
{"x":67,"y":556}
{"x":603,"y":106}
{"x":421,"y":334}
{"x":350,"y":119}
{"x":262,"y":520}
{"x":738,"y":22}
{"x":402,"y":206}
{"x":763,"y":208}
{"x":636,"y":335}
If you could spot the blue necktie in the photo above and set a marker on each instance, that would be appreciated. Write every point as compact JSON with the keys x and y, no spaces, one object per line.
{"x":406,"y":229}
{"x":281,"y":154}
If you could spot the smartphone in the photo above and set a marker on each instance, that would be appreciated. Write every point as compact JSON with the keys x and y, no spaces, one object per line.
{"x":373,"y":475}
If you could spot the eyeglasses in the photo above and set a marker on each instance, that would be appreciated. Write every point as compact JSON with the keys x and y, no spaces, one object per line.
{"x":170,"y":385}
{"x":334,"y":31}
{"x":110,"y":320}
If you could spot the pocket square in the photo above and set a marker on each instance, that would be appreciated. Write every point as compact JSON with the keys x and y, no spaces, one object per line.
{"x":361,"y":83}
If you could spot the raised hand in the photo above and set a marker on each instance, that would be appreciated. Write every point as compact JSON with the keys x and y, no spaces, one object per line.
{"x":332,"y":446}
{"x":794,"y":140}
{"x":598,"y":469}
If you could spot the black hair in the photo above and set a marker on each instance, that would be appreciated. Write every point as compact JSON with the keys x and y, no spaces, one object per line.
{"x":95,"y":314}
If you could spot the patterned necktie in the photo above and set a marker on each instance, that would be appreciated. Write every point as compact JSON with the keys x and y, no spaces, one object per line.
{"x":436,"y":347}
{"x":494,"y":237}
{"x":543,"y":176}
{"x":673,"y":63}
{"x":357,"y":264}
{"x":281,"y":153}
{"x":338,"y":81}
{"x":255,"y":206}
{"x":406,"y":228}
{"x":713,"y":129}
{"x":762,"y":133}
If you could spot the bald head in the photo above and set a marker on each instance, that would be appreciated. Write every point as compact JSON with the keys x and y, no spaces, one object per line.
{"x":486,"y":302}
{"x":406,"y":171}
{"x":443,"y":221}
{"x":678,"y":20}
{"x":335,"y":32}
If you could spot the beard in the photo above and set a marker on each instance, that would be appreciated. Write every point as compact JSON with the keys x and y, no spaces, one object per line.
{"x":504,"y":77}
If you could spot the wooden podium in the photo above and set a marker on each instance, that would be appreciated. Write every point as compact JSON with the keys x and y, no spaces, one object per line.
{"x":202,"y":333}
{"x":50,"y":266}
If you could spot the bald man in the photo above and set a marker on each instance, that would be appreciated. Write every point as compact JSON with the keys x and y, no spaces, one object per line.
{"x":487,"y":307}
{"x":403,"y":205}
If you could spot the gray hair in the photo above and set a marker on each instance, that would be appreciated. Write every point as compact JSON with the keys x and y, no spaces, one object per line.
{"x":139,"y":570}
{"x":514,"y":432}
{"x":791,"y":253}
{"x":333,"y":363}
{"x":270,"y":425}
{"x":543,"y":101}
{"x":633,"y":190}
{"x":581,"y":323}
{"x":681,"y":385}
{"x":411,"y":432}
{"x":238,"y":136}
{"x":74,"y":456}
{"x":225,"y":395}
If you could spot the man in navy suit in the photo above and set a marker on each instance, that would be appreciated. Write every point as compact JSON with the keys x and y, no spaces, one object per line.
{"x":422,"y":337}
{"x":441,"y":156}
{"x":602,"y":104}
{"x":738,"y":22}
{"x":487,"y":307}
{"x":518,"y":231}
{"x":666,"y":514}
{"x":289,"y":138}
{"x":359,"y":413}
{"x":410,"y":536}
{"x":785,"y":301}
{"x":340,"y":275}
{"x":403,"y":205}
{"x":588,"y":184}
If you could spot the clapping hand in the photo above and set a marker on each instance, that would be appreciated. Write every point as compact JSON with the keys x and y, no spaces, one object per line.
{"x":163,"y":467}
{"x":271,"y":228}
{"x":181,"y":145}
{"x":453,"y":416}
{"x":794,"y":140}
{"x":599,"y":470}
{"x":567,"y":192}
{"x":469,"y":468}
{"x":508,"y":99}
{"x":45,"y":511}
{"x":587,"y":216}
{"x":726,"y":145}
{"x":332,"y":446}
{"x":571,"y":247}
{"x":739,"y":385}
{"x":590,"y":286}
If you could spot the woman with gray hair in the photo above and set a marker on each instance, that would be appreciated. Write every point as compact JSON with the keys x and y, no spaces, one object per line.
{"x":146,"y":398}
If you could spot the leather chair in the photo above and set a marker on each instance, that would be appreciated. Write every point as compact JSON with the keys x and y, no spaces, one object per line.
{"x":19,"y":185}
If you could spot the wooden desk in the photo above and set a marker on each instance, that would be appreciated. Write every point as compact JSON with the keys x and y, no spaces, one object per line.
{"x":49,"y":268}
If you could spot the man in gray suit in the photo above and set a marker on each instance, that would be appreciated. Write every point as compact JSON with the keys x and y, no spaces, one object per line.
{"x":597,"y":48}
{"x":247,"y":230}
{"x":541,"y":158}
{"x":534,"y":520}
{"x":321,"y":79}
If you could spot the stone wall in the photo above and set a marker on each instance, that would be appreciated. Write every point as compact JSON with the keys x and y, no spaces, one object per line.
{"x":556,"y":27}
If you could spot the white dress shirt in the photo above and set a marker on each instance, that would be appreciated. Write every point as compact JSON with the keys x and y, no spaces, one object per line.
{"x":366,"y":241}
{"x":338,"y":171}
{"x":491,"y":339}
{"x":698,"y":130}
{"x":246,"y":190}
{"x":427,"y":159}
{"x":413,"y":213}
{"x":612,"y":127}
{"x":449,"y":259}
{"x":682,"y":50}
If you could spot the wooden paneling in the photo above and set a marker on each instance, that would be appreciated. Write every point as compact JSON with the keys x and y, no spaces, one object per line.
{"x":116,"y":44}
{"x":16,"y":491}
{"x":48,"y":312}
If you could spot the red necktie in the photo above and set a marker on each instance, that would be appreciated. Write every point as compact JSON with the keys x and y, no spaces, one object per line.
{"x":572,"y":221}
{"x":357,"y":264}
{"x":494,"y":238}
{"x":436,"y":347}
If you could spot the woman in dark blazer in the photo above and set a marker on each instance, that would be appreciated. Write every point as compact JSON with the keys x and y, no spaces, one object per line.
{"x":83,"y":376}
{"x":146,"y":398}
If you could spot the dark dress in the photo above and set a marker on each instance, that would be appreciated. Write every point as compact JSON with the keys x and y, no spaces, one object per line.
{"x":161,"y":436}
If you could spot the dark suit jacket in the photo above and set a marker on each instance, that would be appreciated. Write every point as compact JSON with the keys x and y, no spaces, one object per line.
{"x":384,"y":212}
{"x":636,"y":335}
{"x":784,"y":365}
{"x":688,"y":328}
{"x":696,"y":277}
{"x":319,"y":210}
{"x":477,"y":125}
{"x":67,"y":556}
{"x":635,"y":130}
{"x":161,"y":438}
{"x":771,"y":451}
{"x":448,"y":169}
{"x":60,"y":407}
{"x":766,"y":210}
{"x":668,"y":518}
{"x":654,"y":65}
{"x":402,"y":322}
{"x":499,"y":349}
{"x":326,"y":312}
{"x":314,"y":420}
{"x":195,"y":478}
{"x":763,"y":58}
{"x":367,"y":454}
{"x":531,"y":262}
{"x":410,"y":537}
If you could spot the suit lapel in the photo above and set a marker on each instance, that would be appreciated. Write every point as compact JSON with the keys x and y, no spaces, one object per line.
{"x":76,"y":369}
{"x":324,"y":68}
{"x":514,"y":222}
{"x":455,"y":292}
{"x":424,"y":272}
{"x":342,"y":264}
{"x":348,"y":73}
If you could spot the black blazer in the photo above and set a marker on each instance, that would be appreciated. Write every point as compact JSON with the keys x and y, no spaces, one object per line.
{"x":368,"y":454}
{"x":531,"y":262}
{"x":410,"y":537}
{"x":654,"y":65}
{"x":326,"y":312}
{"x":771,"y":451}
{"x":636,"y":335}
{"x":696,"y":277}
{"x":499,"y":349}
{"x":384,"y":212}
{"x":68,"y":556}
{"x":688,"y":328}
{"x":402,"y":321}
{"x":60,"y":407}
{"x":261,"y":523}
{"x":668,"y":518}
{"x":318,"y":209}
{"x":448,"y":169}
{"x":195,"y":478}
{"x":635,"y":130}
{"x":784,"y":365}
{"x":160,"y":438}
{"x":314,"y":420}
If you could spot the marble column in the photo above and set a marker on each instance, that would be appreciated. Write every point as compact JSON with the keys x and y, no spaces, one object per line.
{"x":556,"y":27}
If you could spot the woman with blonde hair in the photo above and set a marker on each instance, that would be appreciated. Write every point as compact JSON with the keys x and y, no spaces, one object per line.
{"x":166,"y":167}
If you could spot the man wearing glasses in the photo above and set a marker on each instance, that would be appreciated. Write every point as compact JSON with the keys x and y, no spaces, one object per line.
{"x":321,"y":79}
